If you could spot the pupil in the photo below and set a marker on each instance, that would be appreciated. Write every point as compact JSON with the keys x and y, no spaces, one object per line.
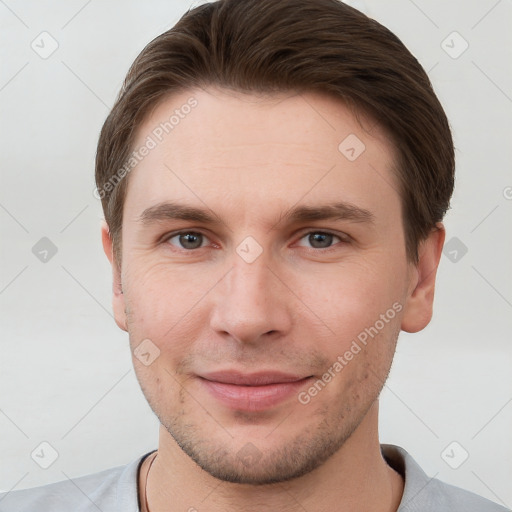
{"x":324,"y":239}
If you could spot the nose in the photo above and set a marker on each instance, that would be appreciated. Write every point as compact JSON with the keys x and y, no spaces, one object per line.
{"x":251,"y":304}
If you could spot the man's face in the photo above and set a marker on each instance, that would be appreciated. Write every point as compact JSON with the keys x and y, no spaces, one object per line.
{"x":251,"y":308}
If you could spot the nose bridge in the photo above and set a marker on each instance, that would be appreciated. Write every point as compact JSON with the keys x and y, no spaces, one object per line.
{"x":250,"y":283}
{"x":250,"y":302}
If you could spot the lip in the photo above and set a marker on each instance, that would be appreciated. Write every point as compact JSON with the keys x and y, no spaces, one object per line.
{"x":251,"y":379}
{"x":252,"y":392}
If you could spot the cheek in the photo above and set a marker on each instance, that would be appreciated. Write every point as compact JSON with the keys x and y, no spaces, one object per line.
{"x":162,"y":390}
{"x":363,"y":360}
{"x":162,"y":292}
{"x":353,"y":296}
{"x":361,"y":304}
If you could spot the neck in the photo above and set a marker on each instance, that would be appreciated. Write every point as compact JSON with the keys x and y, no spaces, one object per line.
{"x":355,"y":478}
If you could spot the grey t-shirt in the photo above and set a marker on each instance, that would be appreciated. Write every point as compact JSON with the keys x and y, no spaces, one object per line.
{"x":116,"y":490}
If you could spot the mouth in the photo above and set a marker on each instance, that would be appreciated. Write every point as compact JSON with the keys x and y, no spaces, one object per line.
{"x":252,"y":392}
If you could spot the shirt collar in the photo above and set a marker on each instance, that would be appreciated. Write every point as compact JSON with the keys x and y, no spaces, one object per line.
{"x":415,"y":479}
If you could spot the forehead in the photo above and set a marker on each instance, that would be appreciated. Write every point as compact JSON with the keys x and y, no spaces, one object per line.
{"x":254,"y":151}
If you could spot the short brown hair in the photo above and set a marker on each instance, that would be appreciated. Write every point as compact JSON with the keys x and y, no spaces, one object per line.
{"x":270,"y":46}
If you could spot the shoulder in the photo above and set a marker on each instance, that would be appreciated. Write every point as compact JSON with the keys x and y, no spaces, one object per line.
{"x":448,"y":497}
{"x":109,"y":490}
{"x":425,"y":494}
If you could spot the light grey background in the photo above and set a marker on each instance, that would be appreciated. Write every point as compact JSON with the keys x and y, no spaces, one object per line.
{"x":66,"y":375}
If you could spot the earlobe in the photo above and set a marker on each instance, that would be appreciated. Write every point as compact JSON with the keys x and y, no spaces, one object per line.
{"x":420,"y":299}
{"x":118,"y":302}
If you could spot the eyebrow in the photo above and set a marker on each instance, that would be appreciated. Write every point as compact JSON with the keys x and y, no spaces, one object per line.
{"x":171,"y":211}
{"x":335,"y":211}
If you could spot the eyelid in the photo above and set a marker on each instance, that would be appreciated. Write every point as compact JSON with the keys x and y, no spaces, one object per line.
{"x":340,"y":234}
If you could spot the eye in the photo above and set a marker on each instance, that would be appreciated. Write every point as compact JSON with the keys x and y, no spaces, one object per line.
{"x":187,"y":240}
{"x":320,"y":239}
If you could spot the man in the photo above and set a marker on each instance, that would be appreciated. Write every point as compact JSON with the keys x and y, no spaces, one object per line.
{"x":273,"y":176}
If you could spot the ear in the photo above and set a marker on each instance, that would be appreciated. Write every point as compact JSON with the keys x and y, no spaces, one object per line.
{"x":118,"y":303}
{"x":420,"y":298}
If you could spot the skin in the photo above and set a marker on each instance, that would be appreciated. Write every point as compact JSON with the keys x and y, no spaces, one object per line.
{"x":248,"y":159}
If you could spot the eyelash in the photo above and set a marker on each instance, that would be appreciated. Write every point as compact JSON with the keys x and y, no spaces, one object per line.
{"x":343,"y":239}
